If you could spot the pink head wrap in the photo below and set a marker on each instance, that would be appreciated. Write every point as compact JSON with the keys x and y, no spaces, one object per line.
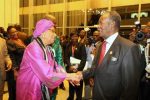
{"x":42,"y":26}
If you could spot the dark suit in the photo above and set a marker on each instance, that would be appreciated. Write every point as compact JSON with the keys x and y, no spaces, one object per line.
{"x":79,"y":53}
{"x":117,"y":77}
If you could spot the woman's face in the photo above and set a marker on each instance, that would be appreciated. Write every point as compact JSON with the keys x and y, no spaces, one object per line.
{"x":74,"y":38}
{"x":13,"y":33}
{"x":50,"y":35}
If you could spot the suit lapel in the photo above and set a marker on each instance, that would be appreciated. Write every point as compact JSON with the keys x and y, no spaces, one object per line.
{"x":112,"y":54}
{"x":98,"y":53}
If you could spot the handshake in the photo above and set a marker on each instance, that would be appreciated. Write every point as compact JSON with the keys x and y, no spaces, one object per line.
{"x":74,"y":78}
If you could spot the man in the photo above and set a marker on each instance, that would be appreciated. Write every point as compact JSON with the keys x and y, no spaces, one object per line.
{"x":76,"y":50}
{"x":96,"y":37}
{"x":4,"y":59}
{"x":145,"y":83}
{"x":116,"y":73}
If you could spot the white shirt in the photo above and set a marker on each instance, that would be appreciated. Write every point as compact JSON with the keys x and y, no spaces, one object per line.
{"x":110,"y":41}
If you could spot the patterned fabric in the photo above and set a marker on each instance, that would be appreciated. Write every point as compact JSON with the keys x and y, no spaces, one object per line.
{"x":58,"y":51}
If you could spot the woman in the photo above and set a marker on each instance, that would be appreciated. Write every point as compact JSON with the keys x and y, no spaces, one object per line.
{"x":16,"y":49}
{"x":38,"y":65}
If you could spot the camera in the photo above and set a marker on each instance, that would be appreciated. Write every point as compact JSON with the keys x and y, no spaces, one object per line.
{"x":140,"y":36}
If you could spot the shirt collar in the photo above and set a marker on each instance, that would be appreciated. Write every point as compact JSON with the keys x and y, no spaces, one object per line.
{"x":111,"y":38}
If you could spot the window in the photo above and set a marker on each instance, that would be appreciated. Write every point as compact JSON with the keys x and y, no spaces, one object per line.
{"x":59,"y":18}
{"x":59,"y":21}
{"x":39,"y":2}
{"x":24,"y":3}
{"x":75,"y":18}
{"x":37,"y":17}
{"x":24,"y":22}
{"x":145,"y":16}
{"x":55,"y":1}
{"x":74,"y":0}
{"x":129,"y":14}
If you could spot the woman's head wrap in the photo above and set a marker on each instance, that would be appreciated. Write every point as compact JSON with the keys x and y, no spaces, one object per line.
{"x":42,"y":26}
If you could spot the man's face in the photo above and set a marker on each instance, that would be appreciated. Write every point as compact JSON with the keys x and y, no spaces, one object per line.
{"x":105,"y":26}
{"x":96,"y":35}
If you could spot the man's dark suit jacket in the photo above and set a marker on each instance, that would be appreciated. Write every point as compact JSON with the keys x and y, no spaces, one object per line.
{"x":79,"y":53}
{"x":117,"y":77}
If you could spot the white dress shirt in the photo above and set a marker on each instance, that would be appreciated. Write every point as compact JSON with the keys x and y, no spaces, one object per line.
{"x":110,"y":41}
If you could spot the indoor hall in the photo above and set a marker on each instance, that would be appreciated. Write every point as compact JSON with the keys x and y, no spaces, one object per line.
{"x":72,"y":15}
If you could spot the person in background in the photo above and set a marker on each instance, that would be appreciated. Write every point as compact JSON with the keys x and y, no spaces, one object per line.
{"x":16,"y":46}
{"x":21,"y":35}
{"x":64,"y":42}
{"x":132,"y":35}
{"x":116,"y":67}
{"x":16,"y":49}
{"x":90,"y":49}
{"x":147,"y":30}
{"x":56,"y":47}
{"x":3,"y":33}
{"x":82,"y":37}
{"x":5,"y":65}
{"x":59,"y":56}
{"x":145,"y":82}
{"x":38,"y":65}
{"x":97,"y":38}
{"x":76,"y":50}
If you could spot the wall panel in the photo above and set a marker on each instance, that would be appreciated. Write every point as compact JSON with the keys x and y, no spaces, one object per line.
{"x":9,"y":12}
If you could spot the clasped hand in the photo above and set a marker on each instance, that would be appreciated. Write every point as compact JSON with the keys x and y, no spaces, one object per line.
{"x":74,"y":78}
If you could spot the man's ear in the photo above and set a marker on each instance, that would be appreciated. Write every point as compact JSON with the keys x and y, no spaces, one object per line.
{"x":112,"y":23}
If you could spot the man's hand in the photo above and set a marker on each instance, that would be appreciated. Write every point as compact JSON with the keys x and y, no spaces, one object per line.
{"x":91,"y":81}
{"x":80,"y":76}
{"x":73,"y":78}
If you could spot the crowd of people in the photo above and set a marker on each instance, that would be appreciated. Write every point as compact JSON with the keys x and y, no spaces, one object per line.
{"x":110,"y":66}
